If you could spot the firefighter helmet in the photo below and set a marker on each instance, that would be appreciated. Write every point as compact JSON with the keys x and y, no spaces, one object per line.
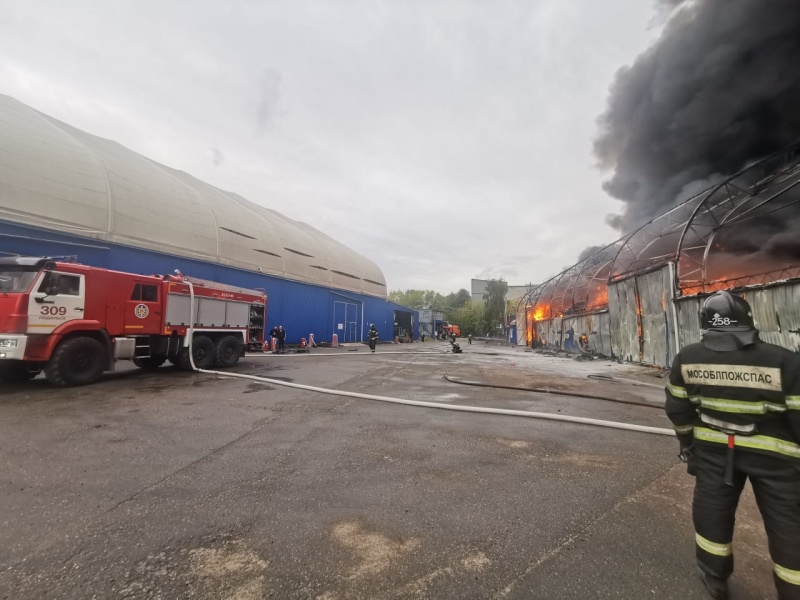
{"x":725,"y":312}
{"x":728,"y":323}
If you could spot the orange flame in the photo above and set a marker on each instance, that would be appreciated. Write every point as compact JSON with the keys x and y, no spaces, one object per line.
{"x":598,"y":300}
{"x":695,"y":287}
{"x":541,"y":312}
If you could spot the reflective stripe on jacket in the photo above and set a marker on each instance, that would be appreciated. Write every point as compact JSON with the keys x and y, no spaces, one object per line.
{"x":758,"y":384}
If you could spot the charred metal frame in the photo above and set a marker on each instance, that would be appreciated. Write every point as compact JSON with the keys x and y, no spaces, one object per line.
{"x":733,"y":201}
{"x":683,"y":236}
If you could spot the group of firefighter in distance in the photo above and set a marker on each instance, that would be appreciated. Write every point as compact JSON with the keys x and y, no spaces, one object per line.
{"x":277,"y":340}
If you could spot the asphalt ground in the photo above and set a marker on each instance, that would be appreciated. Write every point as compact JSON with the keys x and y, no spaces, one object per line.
{"x":183,"y":485}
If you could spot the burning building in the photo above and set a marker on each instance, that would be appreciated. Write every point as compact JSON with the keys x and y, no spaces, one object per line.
{"x":696,"y":112}
{"x":638,"y":299}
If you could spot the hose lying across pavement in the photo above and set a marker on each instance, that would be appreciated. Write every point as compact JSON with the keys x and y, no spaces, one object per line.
{"x":552,"y":392}
{"x":610,"y":379}
{"x":453,"y":407}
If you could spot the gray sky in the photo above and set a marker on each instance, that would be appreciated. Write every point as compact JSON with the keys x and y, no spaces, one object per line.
{"x":444,"y":140}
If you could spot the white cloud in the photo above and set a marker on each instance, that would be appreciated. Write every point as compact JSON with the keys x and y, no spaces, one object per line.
{"x":441,"y":139}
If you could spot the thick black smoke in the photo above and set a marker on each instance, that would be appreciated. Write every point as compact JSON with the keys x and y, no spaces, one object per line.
{"x":719,"y":89}
{"x":589,"y":251}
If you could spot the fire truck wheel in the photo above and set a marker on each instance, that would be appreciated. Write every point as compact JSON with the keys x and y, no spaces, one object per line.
{"x":76,"y":361}
{"x":15,"y":371}
{"x":203,"y":350}
{"x":229,"y":350}
{"x":149,"y":363}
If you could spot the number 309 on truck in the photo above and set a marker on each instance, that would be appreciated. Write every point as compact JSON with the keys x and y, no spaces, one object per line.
{"x":74,"y":322}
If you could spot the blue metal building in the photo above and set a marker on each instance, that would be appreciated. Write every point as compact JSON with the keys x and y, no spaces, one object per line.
{"x":64,"y":192}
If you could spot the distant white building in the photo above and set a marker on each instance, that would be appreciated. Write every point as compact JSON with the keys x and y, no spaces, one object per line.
{"x":515,"y":292}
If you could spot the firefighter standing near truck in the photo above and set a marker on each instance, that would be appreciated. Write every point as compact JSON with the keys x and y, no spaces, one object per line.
{"x":735,"y":404}
{"x":281,"y":335}
{"x":273,"y":336}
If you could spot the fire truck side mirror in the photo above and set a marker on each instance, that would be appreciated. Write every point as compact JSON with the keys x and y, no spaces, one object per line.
{"x":49,"y":291}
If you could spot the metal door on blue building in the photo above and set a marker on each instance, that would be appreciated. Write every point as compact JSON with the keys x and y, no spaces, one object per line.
{"x":345,"y":321}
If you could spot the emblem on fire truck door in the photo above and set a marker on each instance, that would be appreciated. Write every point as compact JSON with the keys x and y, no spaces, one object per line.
{"x":141,"y":311}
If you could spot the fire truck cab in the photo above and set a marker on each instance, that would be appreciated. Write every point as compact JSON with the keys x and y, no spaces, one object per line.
{"x":447,"y":330}
{"x":75,"y":321}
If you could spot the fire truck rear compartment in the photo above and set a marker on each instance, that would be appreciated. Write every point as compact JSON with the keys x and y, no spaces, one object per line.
{"x":223,"y":328}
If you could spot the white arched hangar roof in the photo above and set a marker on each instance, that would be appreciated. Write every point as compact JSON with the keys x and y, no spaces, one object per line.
{"x":58,"y":177}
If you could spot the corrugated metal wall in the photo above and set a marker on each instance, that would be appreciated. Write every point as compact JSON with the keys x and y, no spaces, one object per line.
{"x":640,"y":325}
{"x":655,"y":298}
{"x":642,"y":319}
{"x":776,"y":310}
{"x":620,"y":332}
{"x":624,"y":320}
{"x":596,"y":327}
{"x":688,"y":310}
{"x":548,"y":333}
{"x":645,"y":304}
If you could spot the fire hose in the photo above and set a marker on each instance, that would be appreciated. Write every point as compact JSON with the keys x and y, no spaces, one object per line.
{"x":439,"y":405}
{"x":551,"y":392}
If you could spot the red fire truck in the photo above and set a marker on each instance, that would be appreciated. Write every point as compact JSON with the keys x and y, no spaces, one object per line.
{"x":451,"y":329}
{"x":75,"y":322}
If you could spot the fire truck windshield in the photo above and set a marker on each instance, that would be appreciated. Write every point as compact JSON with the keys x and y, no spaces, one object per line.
{"x":16,"y":280}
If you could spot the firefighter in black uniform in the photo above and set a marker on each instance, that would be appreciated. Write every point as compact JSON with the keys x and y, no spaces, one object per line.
{"x":372,"y":337}
{"x":735,"y":404}
{"x":281,"y":335}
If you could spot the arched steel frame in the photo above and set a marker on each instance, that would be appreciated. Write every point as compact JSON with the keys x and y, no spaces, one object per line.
{"x":731,"y":202}
{"x":567,"y":292}
{"x":684,"y":235}
{"x":633,"y":256}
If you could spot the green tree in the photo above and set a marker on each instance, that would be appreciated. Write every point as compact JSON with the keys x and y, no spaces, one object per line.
{"x":494,"y":299}
{"x":435,"y":300}
{"x":409,"y":298}
{"x":456,"y":300}
{"x":449,"y":305}
{"x":470,"y":318}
